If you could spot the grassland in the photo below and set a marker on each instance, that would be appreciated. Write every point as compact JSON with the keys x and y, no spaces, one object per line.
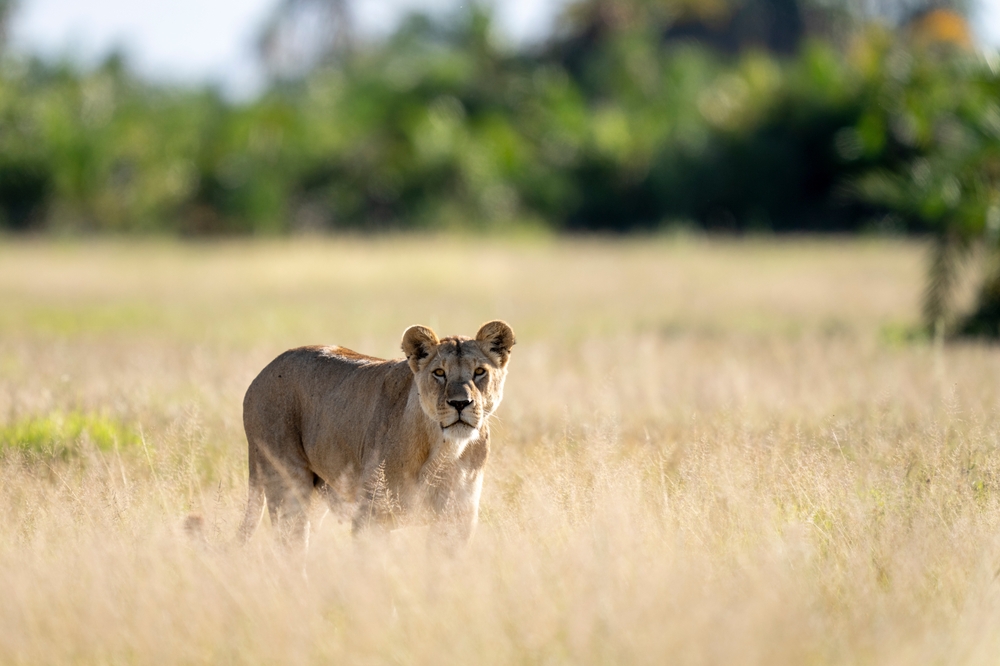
{"x":709,"y":452}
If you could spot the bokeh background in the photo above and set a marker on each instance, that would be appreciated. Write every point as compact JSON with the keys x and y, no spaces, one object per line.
{"x":292,"y":116}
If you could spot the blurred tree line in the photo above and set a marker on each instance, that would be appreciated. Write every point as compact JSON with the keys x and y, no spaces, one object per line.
{"x":730,"y":115}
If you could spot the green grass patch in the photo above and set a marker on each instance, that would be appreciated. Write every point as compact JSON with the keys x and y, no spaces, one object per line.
{"x":65,"y":433}
{"x":902,"y":335}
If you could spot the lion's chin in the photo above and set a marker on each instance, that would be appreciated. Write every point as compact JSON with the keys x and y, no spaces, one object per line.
{"x":460,"y":432}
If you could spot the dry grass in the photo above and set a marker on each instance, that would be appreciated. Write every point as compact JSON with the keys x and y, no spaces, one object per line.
{"x":709,"y":453}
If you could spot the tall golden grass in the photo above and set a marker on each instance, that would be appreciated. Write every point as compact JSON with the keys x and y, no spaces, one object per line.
{"x":709,"y":452}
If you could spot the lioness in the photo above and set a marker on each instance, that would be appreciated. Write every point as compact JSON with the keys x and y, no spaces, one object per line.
{"x":395,"y":437}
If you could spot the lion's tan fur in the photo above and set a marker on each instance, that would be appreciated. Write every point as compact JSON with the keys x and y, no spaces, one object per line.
{"x":394,"y":438}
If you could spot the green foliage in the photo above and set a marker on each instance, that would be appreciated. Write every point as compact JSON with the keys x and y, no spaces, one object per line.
{"x":440,"y":128}
{"x":932,"y":132}
{"x":619,"y":123}
{"x":61,"y":435}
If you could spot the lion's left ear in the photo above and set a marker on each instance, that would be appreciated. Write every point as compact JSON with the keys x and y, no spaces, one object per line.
{"x":496,"y":338}
{"x":418,"y":341}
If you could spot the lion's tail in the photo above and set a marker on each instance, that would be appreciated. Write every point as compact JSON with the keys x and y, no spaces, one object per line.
{"x":255,"y":510}
{"x":255,"y":494}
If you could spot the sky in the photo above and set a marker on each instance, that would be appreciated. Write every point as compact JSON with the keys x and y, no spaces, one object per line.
{"x":199,"y":41}
{"x":212,"y":41}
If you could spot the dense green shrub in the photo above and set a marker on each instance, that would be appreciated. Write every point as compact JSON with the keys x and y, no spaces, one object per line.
{"x":437,"y":127}
{"x":626,"y":127}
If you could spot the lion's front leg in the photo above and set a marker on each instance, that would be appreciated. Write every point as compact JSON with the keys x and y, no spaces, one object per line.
{"x":456,"y":507}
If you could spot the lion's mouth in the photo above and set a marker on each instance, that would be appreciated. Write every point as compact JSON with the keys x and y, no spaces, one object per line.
{"x":459,"y":432}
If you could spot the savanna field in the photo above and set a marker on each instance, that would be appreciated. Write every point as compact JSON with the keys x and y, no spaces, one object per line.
{"x":709,"y":452}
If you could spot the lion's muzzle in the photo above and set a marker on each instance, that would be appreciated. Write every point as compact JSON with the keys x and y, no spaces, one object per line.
{"x":459,"y":405}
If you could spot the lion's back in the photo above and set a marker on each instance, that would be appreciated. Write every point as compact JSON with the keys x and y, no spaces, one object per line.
{"x":303,"y":371}
{"x":308,"y":389}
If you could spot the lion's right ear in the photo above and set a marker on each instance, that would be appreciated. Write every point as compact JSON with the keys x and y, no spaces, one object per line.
{"x":418,"y":341}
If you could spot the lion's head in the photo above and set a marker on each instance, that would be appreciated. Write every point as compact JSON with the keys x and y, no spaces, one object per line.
{"x":459,"y":380}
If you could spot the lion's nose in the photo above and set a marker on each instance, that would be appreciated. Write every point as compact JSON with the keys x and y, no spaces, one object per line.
{"x":459,"y":405}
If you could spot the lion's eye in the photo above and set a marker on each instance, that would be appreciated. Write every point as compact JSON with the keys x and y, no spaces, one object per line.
{"x":439,"y":373}
{"x":479,"y":372}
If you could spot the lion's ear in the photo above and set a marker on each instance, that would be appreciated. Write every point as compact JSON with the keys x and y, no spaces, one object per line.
{"x":417,"y":344}
{"x":496,"y":338}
